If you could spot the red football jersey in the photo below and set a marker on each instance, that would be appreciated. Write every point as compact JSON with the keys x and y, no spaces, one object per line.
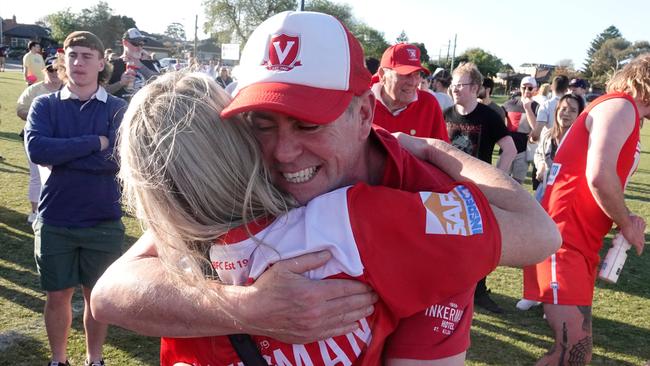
{"x":568,"y":276}
{"x":422,"y":118}
{"x":398,"y":242}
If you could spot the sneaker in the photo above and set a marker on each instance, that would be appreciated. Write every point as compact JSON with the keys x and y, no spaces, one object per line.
{"x":57,"y":363}
{"x":525,"y":304}
{"x":484,"y":301}
{"x":31,"y":218}
{"x":96,"y":363}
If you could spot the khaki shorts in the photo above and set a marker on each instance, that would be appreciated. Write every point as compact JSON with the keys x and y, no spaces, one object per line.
{"x":67,"y":257}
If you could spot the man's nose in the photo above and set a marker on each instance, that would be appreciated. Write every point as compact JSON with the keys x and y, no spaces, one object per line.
{"x":287,"y":148}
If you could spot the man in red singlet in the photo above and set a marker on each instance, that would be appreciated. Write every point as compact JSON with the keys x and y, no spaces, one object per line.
{"x":585,"y":197}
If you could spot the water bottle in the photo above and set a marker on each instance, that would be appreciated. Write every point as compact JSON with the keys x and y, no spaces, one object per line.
{"x":134,"y":68}
{"x":615,"y":259}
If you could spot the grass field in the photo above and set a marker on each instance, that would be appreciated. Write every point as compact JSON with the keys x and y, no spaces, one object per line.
{"x":621,"y":312}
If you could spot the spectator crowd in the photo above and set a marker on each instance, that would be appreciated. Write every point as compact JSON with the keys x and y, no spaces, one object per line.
{"x":252,"y":169}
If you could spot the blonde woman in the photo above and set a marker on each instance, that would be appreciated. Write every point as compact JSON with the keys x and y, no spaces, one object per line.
{"x":198,"y":185}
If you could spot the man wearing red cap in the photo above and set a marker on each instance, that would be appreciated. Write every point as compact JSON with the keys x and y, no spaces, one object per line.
{"x":400,"y":106}
{"x":305,"y":90}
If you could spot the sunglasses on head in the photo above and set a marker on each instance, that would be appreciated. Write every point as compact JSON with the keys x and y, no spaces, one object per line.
{"x":529,"y":88}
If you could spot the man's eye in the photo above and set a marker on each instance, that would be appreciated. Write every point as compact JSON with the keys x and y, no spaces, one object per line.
{"x":262,"y":127}
{"x":309,"y":127}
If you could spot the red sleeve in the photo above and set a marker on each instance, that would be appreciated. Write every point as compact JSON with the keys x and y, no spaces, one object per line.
{"x":420,"y":248}
{"x":439,"y":125}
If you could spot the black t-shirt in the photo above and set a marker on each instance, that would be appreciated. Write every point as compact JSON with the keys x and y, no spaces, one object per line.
{"x":477,"y":132}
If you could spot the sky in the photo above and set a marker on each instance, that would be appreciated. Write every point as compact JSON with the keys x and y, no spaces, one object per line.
{"x":515,"y":31}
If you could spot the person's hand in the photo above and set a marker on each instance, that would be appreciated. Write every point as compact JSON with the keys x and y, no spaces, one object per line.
{"x":540,"y":173}
{"x":127,"y":77}
{"x":285,"y":305}
{"x":417,"y":146}
{"x":528,"y":102}
{"x":634,"y":232}
{"x":103,"y":143}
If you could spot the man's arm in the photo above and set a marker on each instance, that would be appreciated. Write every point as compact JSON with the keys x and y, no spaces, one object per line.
{"x":541,"y":120}
{"x":43,"y":149}
{"x":137,"y":293}
{"x":508,"y":153}
{"x":609,"y":125}
{"x":528,"y":235}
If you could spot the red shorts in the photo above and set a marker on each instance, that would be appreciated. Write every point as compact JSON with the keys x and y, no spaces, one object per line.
{"x":565,"y":278}
{"x":439,"y":331}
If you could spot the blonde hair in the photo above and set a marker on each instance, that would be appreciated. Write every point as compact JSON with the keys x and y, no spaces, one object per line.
{"x":470,"y":69}
{"x":633,"y":79}
{"x":188,"y":175}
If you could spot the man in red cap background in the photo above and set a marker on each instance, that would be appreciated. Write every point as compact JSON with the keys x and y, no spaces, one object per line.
{"x":400,"y":106}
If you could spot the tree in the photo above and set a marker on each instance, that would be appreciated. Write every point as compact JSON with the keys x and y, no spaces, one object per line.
{"x":98,"y":19}
{"x":424,"y":54}
{"x":176,"y":31}
{"x":487,"y":63}
{"x":240,"y":17}
{"x":612,"y":54}
{"x":402,"y":38}
{"x":62,"y":23}
{"x":338,"y":11}
{"x":610,"y":32}
{"x":371,"y":40}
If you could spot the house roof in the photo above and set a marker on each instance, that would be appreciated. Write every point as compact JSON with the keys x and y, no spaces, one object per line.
{"x":31,"y":31}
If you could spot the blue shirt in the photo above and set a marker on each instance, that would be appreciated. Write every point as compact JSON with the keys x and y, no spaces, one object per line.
{"x":62,"y":132}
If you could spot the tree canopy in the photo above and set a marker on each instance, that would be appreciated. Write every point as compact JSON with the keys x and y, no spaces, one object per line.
{"x":610,"y":32}
{"x":98,"y":19}
{"x":487,"y":63}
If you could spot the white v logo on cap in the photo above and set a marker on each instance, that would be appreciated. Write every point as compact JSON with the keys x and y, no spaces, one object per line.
{"x":282,"y":54}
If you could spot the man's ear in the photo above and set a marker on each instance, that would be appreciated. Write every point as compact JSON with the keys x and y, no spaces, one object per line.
{"x":381,"y":73}
{"x":366,"y":111}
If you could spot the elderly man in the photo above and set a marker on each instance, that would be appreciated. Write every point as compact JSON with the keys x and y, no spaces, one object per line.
{"x":305,"y":90}
{"x":521,"y":120}
{"x":400,"y":106}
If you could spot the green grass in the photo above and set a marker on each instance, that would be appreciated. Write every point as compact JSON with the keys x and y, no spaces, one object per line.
{"x":621,"y":312}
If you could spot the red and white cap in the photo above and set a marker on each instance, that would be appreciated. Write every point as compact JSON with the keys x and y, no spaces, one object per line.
{"x":403,"y":58}
{"x":303,"y":64}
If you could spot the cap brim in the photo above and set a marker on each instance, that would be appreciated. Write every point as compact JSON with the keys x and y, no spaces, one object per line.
{"x":409,"y":69}
{"x":315,"y":105}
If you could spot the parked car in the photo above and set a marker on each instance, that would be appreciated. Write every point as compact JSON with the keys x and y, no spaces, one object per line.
{"x":172,"y":64}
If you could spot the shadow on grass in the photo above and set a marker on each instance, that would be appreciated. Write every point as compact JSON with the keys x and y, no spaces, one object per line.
{"x":21,"y":349}
{"x":11,"y":136}
{"x":530,"y":328}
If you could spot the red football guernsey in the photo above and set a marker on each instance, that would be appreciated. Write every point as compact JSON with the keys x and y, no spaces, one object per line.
{"x":400,"y":243}
{"x":422,"y":118}
{"x":430,"y":333}
{"x":582,"y":223}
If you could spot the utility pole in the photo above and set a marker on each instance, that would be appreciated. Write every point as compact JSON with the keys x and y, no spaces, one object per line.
{"x":196,"y":31}
{"x":453,"y":55}
{"x":448,"y":48}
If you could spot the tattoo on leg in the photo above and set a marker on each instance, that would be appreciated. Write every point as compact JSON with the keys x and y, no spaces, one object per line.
{"x":586,"y":316}
{"x":580,"y":351}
